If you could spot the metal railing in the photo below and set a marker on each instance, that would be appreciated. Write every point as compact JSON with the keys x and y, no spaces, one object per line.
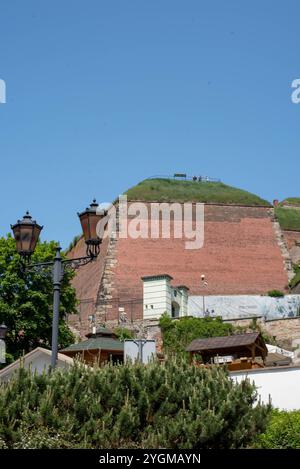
{"x":186,"y":177}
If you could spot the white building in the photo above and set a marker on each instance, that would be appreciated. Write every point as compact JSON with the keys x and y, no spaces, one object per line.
{"x":279,"y":383}
{"x":38,"y":360}
{"x":159,"y":296}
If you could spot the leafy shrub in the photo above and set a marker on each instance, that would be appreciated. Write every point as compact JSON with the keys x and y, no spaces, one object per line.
{"x":161,"y":405}
{"x":178,"y":334}
{"x":283,"y":431}
{"x":123,"y":333}
{"x":276,"y":293}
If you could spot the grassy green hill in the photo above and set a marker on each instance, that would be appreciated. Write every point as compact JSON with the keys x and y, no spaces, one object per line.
{"x":168,"y":190}
{"x":293,"y":200}
{"x":289,"y":218}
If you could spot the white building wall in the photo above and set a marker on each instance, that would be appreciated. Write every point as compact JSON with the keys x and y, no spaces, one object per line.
{"x":156,"y":297}
{"x":282,"y":384}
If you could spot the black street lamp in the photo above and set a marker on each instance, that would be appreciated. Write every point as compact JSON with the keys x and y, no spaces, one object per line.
{"x":26,"y":233}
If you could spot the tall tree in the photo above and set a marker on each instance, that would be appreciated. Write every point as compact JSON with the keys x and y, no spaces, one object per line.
{"x":26,"y":300}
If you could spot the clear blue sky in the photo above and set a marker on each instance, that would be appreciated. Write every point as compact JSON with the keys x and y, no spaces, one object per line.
{"x":102,"y":94}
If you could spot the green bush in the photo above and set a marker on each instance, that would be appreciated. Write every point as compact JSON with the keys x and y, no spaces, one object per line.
{"x":161,"y":405}
{"x":283,"y":431}
{"x":178,"y":334}
{"x":276,"y":293}
{"x":123,"y":333}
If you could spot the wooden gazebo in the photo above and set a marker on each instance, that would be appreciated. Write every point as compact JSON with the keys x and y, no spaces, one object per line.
{"x":100,"y":347}
{"x":238,"y":351}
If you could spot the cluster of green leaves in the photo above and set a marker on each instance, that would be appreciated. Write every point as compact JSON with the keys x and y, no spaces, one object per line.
{"x":161,"y":405}
{"x":283,"y":431}
{"x":169,"y":190}
{"x":177,"y":334}
{"x":123,"y":333}
{"x":276,"y":293}
{"x":26,"y":298}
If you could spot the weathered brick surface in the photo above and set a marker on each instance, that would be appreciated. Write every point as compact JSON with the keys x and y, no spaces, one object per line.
{"x":292,"y":239}
{"x":241,"y":255}
{"x":86,"y":282}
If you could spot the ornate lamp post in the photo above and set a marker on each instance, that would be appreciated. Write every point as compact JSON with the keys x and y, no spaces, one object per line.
{"x":26,"y":233}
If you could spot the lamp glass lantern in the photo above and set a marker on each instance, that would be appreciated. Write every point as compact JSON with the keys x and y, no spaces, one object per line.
{"x":26,"y":233}
{"x":89,"y":220}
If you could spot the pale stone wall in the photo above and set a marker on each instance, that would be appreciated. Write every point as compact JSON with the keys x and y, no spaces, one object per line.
{"x":286,"y":332}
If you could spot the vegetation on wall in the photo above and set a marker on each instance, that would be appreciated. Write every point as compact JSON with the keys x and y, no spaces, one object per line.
{"x":296,"y":279}
{"x":26,"y":298}
{"x":178,"y":334}
{"x":161,"y":405}
{"x":123,"y":333}
{"x":168,"y":190}
{"x":275,"y":293}
{"x":289,"y":218}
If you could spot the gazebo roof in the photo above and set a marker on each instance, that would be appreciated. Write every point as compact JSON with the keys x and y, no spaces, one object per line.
{"x":229,"y":344}
{"x":96,"y":343}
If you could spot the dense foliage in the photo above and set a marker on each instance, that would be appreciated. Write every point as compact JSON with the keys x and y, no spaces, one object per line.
{"x":178,"y":334}
{"x":26,"y":300}
{"x":283,"y":431}
{"x":161,"y":405}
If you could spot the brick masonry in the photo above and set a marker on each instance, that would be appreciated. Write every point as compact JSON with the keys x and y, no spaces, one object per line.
{"x":292,"y":239}
{"x":243,"y":253}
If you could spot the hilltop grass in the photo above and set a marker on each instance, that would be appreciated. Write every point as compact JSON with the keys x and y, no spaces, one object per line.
{"x":169,"y":190}
{"x":289,"y":218}
{"x":293,"y":200}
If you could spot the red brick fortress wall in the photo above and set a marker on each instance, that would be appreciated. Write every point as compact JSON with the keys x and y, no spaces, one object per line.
{"x":292,"y":239}
{"x":241,"y":255}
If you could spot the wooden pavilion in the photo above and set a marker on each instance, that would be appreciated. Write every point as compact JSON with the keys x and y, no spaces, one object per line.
{"x":238,"y":351}
{"x":100,"y":347}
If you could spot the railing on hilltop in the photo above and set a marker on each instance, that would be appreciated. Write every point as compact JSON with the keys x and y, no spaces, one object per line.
{"x":186,"y":177}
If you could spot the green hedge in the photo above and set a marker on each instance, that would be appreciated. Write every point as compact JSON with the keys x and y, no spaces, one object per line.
{"x":161,"y":405}
{"x":283,"y":431}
